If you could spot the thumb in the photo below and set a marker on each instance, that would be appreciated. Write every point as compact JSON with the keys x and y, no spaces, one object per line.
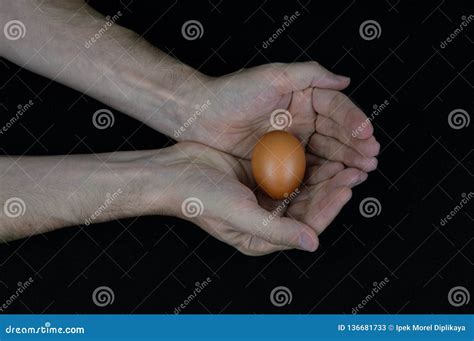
{"x":276,"y":230}
{"x":303,"y":75}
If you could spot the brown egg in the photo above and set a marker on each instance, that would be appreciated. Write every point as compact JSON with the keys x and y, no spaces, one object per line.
{"x":278,"y":163}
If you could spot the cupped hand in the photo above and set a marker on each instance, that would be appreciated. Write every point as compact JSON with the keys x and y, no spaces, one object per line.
{"x":217,"y":192}
{"x":242,"y":104}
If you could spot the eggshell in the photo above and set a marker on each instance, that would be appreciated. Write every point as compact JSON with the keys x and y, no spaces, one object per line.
{"x":278,"y":163}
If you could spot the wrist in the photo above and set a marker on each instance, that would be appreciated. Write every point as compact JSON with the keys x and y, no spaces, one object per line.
{"x":148,"y":181}
{"x":159,"y":92}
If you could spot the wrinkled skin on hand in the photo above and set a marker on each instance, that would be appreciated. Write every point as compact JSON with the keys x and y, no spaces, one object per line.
{"x":322,"y":117}
{"x":233,"y":213}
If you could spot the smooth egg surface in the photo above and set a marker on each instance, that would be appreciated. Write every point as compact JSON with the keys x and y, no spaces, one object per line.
{"x":278,"y":163}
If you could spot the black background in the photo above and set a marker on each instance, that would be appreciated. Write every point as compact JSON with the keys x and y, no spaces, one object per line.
{"x":152,"y":263}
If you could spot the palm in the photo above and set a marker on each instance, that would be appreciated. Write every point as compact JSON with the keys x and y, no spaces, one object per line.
{"x":326,"y":189}
{"x":234,"y":210}
{"x":323,"y":119}
{"x":241,"y":113}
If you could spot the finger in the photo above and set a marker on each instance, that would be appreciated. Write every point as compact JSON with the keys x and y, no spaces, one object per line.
{"x":367,"y":147}
{"x":302,"y":75}
{"x":349,"y":177}
{"x":325,"y":206}
{"x":332,"y":149}
{"x":338,"y":107}
{"x":314,"y":160}
{"x":317,"y":174}
{"x":254,"y":246}
{"x":276,"y":230}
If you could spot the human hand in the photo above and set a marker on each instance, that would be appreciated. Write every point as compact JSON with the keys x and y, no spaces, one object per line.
{"x":188,"y":180}
{"x":323,"y":118}
{"x":215,"y":191}
{"x":162,"y":92}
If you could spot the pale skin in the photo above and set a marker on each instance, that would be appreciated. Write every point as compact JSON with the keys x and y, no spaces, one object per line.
{"x":211,"y":160}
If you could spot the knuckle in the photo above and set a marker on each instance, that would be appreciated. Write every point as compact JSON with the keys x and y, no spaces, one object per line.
{"x":277,"y":65}
{"x":321,"y":123}
{"x":336,"y":101}
{"x":283,"y":239}
{"x":348,"y":156}
{"x":247,"y":246}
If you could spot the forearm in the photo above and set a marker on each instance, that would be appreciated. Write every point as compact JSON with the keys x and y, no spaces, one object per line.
{"x":39,"y":194}
{"x":71,"y":43}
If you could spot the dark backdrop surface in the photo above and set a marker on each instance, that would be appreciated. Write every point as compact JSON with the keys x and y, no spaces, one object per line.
{"x":152,"y":264}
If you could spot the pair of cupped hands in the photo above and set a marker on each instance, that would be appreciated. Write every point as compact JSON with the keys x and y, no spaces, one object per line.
{"x":211,"y":163}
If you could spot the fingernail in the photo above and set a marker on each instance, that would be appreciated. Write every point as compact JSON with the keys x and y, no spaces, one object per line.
{"x":343,"y":78}
{"x":361,"y":178}
{"x":307,"y":242}
{"x":375,"y":163}
{"x":377,"y":147}
{"x":370,"y":163}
